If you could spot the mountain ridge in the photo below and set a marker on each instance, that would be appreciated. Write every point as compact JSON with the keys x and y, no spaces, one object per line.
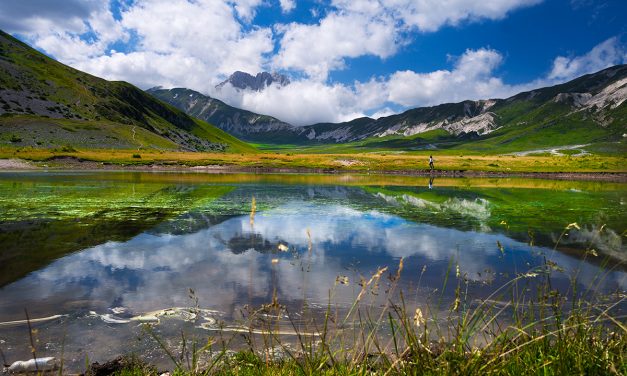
{"x":244,"y":124}
{"x":44,"y":103}
{"x":243,"y":80}
{"x":594,"y":104}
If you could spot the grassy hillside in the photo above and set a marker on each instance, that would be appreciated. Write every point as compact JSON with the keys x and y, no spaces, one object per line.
{"x":590,"y":110}
{"x":44,"y":103}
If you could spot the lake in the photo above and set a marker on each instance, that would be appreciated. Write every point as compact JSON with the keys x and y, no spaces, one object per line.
{"x":100,"y":253}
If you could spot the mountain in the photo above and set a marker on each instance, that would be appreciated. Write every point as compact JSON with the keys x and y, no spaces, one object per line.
{"x":244,"y":81}
{"x":240,"y":123}
{"x":44,"y":103}
{"x":589,"y":109}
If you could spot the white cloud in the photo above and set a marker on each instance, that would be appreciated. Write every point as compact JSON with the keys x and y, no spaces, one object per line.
{"x":60,"y":30}
{"x":318,"y":49}
{"x":165,"y":69}
{"x":310,"y":101}
{"x":430,"y":15}
{"x":471,"y":78}
{"x":300,"y":103}
{"x":246,"y":8}
{"x":26,"y":16}
{"x":287,"y":5}
{"x":206,"y":31}
{"x":604,"y":55}
{"x":374,"y":28}
{"x":179,"y":42}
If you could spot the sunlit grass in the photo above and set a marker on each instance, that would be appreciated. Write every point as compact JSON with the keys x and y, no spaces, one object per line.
{"x":363,"y":162}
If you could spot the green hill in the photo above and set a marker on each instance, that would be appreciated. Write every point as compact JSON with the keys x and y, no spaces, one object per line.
{"x":44,"y":103}
{"x":590,"y":110}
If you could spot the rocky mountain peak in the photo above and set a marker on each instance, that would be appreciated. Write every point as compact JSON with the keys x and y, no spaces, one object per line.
{"x":243,"y":81}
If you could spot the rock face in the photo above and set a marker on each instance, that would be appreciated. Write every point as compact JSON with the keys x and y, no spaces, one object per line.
{"x":245,"y":124}
{"x":590,"y":106}
{"x":246,"y":81}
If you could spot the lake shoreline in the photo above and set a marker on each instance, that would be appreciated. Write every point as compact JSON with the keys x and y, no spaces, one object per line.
{"x":71,"y":163}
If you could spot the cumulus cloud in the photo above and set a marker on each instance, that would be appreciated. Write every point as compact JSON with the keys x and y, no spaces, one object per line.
{"x":309,"y":101}
{"x":70,"y":31}
{"x":430,"y":15}
{"x":29,"y":15}
{"x":302,"y":102}
{"x":318,"y":49}
{"x":471,"y":78}
{"x":374,"y":28}
{"x":187,"y":43}
{"x":287,"y":5}
{"x":604,"y":55}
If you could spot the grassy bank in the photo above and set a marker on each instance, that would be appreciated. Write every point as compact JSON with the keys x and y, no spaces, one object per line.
{"x":524,"y":328}
{"x":337,"y":162}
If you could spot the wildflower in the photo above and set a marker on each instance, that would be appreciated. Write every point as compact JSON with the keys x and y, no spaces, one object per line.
{"x":593,"y":252}
{"x":530,"y":275}
{"x":282,"y":247}
{"x":400,"y":269}
{"x":342,"y":279}
{"x":457,"y":273}
{"x":418,"y":318}
{"x":573,"y":225}
{"x":456,"y":304}
{"x":275,"y":261}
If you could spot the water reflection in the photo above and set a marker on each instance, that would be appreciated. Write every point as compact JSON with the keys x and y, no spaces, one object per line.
{"x":229,"y":263}
{"x":207,"y":243}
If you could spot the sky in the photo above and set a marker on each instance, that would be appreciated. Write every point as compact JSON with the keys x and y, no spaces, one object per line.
{"x":345,"y":58}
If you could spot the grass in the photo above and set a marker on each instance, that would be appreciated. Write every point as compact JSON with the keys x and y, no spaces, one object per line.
{"x":525,"y":327}
{"x":365,"y":162}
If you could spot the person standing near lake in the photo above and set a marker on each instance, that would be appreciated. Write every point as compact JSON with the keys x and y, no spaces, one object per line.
{"x":431,"y":167}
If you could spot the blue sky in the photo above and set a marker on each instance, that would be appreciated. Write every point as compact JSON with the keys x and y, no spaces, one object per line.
{"x":346,"y":58}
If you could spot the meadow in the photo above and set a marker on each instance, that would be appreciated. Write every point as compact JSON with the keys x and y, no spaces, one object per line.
{"x":446,"y":161}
